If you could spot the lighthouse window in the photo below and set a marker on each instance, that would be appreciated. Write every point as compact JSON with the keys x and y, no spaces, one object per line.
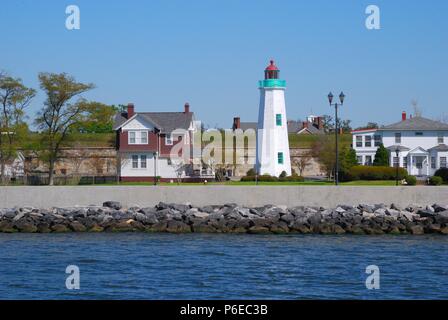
{"x":280,"y":157}
{"x":278,"y":119}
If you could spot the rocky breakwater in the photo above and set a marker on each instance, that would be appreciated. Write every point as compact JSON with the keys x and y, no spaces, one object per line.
{"x":229,"y":218}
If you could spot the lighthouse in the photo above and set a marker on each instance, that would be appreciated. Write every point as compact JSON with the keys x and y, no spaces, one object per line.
{"x":272,"y":136}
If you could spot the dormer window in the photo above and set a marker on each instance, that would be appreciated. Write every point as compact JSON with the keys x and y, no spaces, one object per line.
{"x":419,"y":133}
{"x":440,"y":139}
{"x":398,"y":137}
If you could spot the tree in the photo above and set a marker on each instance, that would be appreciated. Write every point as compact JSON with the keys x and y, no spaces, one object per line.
{"x":369,"y":125}
{"x":348,"y":159}
{"x":303,"y":162}
{"x":59,"y":113}
{"x":98,"y":118}
{"x":381,"y":156}
{"x":14,"y":99}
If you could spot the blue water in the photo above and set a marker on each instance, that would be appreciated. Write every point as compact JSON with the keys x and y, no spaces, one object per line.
{"x":201,"y":266}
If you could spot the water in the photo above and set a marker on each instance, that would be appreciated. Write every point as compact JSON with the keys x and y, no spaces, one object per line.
{"x":201,"y":266}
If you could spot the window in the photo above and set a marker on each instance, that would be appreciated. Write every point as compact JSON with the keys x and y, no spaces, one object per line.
{"x":168,"y":139}
{"x":143,"y":161}
{"x":132,"y":137}
{"x":280,"y":157}
{"x":419,"y":134}
{"x":278,"y":119}
{"x":368,"y":161}
{"x":433,"y":162}
{"x":368,"y":142}
{"x":396,"y":162}
{"x":398,"y":137}
{"x":440,"y":138}
{"x":138,"y":137}
{"x":134,"y":161}
{"x":377,"y":139}
{"x":144,"y":137}
{"x":359,"y":160}
{"x":359,"y":141}
{"x":442,"y":162}
{"x":405,"y":162}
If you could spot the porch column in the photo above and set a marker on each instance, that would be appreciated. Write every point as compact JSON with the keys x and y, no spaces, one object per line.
{"x":427,"y":164}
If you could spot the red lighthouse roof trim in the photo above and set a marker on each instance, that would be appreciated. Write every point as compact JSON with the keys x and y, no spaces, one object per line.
{"x":271,"y":67}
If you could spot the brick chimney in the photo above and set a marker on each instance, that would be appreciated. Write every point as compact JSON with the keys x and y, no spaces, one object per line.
{"x":305,"y":124}
{"x":186,"y":107}
{"x":236,"y":123}
{"x":318,"y":122}
{"x":403,"y":116}
{"x":130,"y":110}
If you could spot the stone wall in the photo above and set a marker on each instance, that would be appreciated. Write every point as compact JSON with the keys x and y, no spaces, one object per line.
{"x":326,"y":196}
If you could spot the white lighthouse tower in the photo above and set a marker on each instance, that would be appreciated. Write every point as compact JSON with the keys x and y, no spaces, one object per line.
{"x":272,"y":136}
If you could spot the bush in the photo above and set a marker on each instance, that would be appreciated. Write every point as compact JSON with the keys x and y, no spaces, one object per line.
{"x":373,"y":173}
{"x":435,"y":181}
{"x":251,"y":172}
{"x":411,"y":180}
{"x":268,"y":178}
{"x":442,"y":173}
{"x":283,"y":174}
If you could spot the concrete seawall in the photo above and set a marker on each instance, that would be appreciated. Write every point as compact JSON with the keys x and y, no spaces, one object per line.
{"x":326,"y":196}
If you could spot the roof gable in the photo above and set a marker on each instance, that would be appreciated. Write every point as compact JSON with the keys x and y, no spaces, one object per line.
{"x":138,"y":122}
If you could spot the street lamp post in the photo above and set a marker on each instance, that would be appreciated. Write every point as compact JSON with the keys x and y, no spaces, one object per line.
{"x":336,"y":105}
{"x":397,"y":153}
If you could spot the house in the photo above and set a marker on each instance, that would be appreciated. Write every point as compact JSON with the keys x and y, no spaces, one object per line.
{"x":145,"y":140}
{"x":416,"y":144}
{"x":313,"y":125}
{"x":237,"y":124}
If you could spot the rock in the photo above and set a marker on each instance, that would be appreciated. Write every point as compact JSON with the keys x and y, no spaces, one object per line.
{"x":7,"y":227}
{"x":77,"y":226}
{"x":258,"y":230}
{"x":426,"y":213}
{"x":416,"y":229}
{"x":280,"y":227}
{"x":338,"y":229}
{"x":177,"y":227}
{"x":444,"y":230}
{"x":59,"y":228}
{"x":439,"y":208}
{"x":203,"y":228}
{"x":112,"y":204}
{"x":26,"y":227}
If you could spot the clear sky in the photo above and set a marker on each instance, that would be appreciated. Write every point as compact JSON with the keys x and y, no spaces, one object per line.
{"x":160,"y":54}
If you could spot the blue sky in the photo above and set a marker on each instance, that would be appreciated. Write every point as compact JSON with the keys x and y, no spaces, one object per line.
{"x":160,"y":54}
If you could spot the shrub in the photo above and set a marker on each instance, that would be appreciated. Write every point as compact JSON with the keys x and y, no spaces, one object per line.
{"x":283,"y":174}
{"x":373,"y":173}
{"x":442,"y":173}
{"x":251,"y":172}
{"x":411,"y":180}
{"x":268,"y":178}
{"x":435,"y":181}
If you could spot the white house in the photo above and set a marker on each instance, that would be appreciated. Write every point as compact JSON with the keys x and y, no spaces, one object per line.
{"x":420,"y":144}
{"x":272,"y":138}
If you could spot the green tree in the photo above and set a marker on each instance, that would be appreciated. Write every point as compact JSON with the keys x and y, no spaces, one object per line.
{"x":348,"y":159}
{"x":14,"y":98}
{"x":59,"y":113}
{"x":381,"y":157}
{"x":98,"y":118}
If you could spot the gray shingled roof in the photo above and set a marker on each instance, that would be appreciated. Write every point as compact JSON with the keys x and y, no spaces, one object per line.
{"x":417,"y":123}
{"x":165,"y":121}
{"x":248,"y":125}
{"x":296,"y":126}
{"x":395,"y":146}
{"x":440,"y":147}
